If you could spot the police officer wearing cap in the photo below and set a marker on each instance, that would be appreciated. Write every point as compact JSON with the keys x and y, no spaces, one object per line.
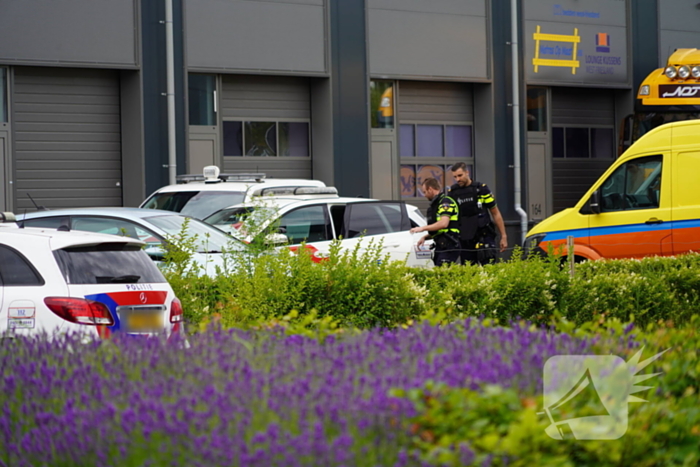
{"x":444,"y":231}
{"x":477,"y":215}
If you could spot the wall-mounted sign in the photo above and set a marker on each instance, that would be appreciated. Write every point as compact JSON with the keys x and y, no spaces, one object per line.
{"x":567,"y":42}
{"x":572,"y":62}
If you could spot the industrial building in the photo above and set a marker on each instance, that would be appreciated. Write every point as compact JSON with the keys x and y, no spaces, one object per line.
{"x":366,"y":95}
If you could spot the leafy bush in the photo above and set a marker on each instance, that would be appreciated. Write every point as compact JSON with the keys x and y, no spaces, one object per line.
{"x":456,"y":426}
{"x":650,"y":290}
{"x":358,"y":287}
{"x":363,"y":288}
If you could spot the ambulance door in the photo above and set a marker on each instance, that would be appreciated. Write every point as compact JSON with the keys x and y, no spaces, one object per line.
{"x":686,"y":202}
{"x":635,"y":210}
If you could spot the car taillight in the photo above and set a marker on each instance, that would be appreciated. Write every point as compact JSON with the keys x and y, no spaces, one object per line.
{"x":176,"y":311}
{"x":80,"y":310}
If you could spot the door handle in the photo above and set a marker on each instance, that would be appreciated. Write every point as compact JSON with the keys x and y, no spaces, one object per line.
{"x":654,"y":220}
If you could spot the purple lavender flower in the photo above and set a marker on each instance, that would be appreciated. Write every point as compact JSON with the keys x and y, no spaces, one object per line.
{"x":289,"y":401}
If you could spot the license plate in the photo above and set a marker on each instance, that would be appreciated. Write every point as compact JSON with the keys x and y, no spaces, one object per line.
{"x":23,"y":323}
{"x":423,"y":253}
{"x":144,"y":322}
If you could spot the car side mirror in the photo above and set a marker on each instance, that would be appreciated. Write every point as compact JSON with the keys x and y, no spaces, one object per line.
{"x":276,"y":239}
{"x":594,"y":202}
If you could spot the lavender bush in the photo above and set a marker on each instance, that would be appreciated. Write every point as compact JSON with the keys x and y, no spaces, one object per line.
{"x":250,"y":398}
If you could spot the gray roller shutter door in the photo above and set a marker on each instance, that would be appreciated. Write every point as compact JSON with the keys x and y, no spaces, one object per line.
{"x":427,"y":102}
{"x":433,"y":103}
{"x":267,"y":98}
{"x":571,"y":178}
{"x":67,"y":139}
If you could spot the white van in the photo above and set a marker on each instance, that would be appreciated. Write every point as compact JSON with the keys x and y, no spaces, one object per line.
{"x":199,"y":196}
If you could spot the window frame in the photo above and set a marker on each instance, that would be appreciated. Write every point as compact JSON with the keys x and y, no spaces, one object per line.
{"x":213,"y":102}
{"x":4,"y":94}
{"x":405,"y":222}
{"x":625,"y":199}
{"x":161,"y":240}
{"x":444,"y":161}
{"x":589,"y":128}
{"x":277,"y":122}
{"x":277,"y":222}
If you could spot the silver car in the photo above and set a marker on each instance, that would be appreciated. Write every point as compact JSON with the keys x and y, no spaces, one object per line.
{"x":151,"y":226}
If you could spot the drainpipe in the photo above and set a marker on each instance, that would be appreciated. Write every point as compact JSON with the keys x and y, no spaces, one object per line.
{"x":516,"y":119}
{"x":170,"y":70}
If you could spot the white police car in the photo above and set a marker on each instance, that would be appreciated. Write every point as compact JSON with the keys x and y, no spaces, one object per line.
{"x":199,"y":196}
{"x":57,"y":282}
{"x":318,"y":217}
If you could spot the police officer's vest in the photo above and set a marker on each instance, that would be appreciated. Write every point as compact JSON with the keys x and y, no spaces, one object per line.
{"x":435,"y":213}
{"x":473,"y":216}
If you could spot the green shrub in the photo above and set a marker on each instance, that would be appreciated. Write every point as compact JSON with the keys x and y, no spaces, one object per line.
{"x":496,"y":426}
{"x":646,"y":291}
{"x":363,"y":288}
{"x":356,"y":287}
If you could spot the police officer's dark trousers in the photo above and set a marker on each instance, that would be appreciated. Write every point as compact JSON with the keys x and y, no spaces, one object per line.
{"x":445,"y":257}
{"x":447,"y":250}
{"x":475,"y":252}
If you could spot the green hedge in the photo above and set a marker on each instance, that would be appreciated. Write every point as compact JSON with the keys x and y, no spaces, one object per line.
{"x":365,"y":289}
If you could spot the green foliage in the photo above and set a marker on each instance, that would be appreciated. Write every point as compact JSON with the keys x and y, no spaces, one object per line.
{"x":650,"y":290}
{"x":357,"y":288}
{"x":457,"y":426}
{"x":362,"y":288}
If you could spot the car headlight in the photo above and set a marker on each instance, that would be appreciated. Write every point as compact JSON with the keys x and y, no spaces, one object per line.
{"x":671,"y":72}
{"x":644,"y":90}
{"x":684,"y":71}
{"x":532,"y":242}
{"x":695,"y":71}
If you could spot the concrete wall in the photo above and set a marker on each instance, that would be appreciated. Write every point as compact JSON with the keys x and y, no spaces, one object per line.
{"x":257,"y":36}
{"x":69,"y":32}
{"x":679,"y":27}
{"x":440,"y":39}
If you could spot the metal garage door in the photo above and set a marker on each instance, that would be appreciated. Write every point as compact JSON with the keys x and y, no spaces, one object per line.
{"x":278,"y":99}
{"x":67,"y":143}
{"x":580,"y":110}
{"x":441,"y":110}
{"x":435,"y":102}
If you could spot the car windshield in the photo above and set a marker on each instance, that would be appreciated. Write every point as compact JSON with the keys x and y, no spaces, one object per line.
{"x":210,"y":239}
{"x":197,"y":204}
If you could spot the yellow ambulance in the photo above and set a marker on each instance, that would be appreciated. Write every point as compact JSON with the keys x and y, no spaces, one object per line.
{"x":647,"y":202}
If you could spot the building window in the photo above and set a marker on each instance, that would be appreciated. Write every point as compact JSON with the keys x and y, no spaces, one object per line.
{"x":582,"y":143}
{"x":536,"y":109}
{"x":430,"y":150}
{"x":202,"y":99}
{"x":266,"y":139}
{"x":382,"y":104}
{"x":3,"y":94}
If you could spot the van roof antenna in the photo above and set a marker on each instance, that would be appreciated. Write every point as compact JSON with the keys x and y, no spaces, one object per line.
{"x":38,"y":208}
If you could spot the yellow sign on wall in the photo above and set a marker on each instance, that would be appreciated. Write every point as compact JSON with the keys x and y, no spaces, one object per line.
{"x":574,"y":39}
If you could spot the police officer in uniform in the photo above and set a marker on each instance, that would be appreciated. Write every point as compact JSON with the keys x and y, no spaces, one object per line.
{"x":443,"y":213}
{"x":477,"y":235}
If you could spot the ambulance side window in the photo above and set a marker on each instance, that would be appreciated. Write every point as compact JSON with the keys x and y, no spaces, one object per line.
{"x":634,"y":185}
